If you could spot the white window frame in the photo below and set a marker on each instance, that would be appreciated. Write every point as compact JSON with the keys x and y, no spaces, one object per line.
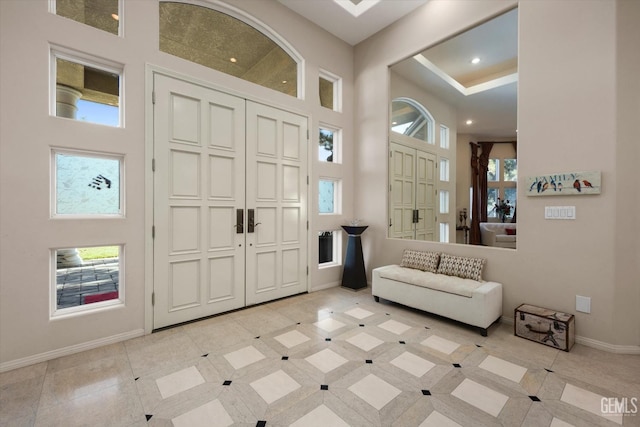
{"x":337,"y":143}
{"x":88,"y":61}
{"x":56,"y":313}
{"x":337,"y":195}
{"x":337,"y":88}
{"x":85,"y":153}
{"x":336,"y":250}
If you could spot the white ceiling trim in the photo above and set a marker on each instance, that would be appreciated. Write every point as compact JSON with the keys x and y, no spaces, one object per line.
{"x":466,"y":91}
{"x":356,"y":9}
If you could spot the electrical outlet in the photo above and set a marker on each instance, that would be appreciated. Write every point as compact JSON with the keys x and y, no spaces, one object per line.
{"x":583,"y":304}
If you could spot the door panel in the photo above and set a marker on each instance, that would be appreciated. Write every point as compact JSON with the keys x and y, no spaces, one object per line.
{"x":277,"y":190}
{"x":199,"y":152}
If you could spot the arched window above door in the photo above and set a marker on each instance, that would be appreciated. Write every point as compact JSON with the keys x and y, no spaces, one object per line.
{"x":229,"y":44}
{"x":410,"y":118}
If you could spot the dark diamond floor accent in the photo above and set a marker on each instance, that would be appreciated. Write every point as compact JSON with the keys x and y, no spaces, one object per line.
{"x":426,"y":392}
{"x":285,"y":357}
{"x":402,"y":342}
{"x":324,"y":387}
{"x":534,"y":398}
{"x":548,"y":370}
{"x":261,"y":424}
{"x":369,"y":361}
{"x":205,"y":355}
{"x":227,"y":382}
{"x":457,"y":365}
{"x":148,"y":416}
{"x":327,"y":339}
{"x":361,"y":325}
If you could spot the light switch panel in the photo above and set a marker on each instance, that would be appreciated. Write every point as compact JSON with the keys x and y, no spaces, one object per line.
{"x":560,"y":212}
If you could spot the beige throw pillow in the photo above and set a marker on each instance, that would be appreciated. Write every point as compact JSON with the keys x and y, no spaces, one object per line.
{"x":464,"y":267}
{"x":421,"y":260}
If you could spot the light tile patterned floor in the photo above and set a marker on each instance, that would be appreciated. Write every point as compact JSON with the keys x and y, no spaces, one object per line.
{"x":332,"y":358}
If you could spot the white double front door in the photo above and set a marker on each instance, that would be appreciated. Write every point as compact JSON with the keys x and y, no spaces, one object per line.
{"x":230,"y":202}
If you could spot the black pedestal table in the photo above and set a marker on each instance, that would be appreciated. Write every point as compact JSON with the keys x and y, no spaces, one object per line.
{"x":354,"y":275}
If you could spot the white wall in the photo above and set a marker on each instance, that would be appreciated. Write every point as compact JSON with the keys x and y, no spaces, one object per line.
{"x":568,"y":120}
{"x":27,"y":132}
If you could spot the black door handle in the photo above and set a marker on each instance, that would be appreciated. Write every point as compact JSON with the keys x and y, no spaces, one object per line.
{"x":250,"y":226}
{"x":239,"y":221}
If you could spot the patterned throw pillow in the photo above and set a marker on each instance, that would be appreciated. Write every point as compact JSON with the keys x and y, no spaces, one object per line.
{"x":466,"y":268}
{"x":425,"y":261}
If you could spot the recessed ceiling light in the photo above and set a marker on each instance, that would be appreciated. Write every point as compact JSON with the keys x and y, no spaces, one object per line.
{"x":469,"y":122}
{"x":115,"y":16}
{"x":475,"y":60}
{"x":234,"y":60}
{"x":284,"y":82}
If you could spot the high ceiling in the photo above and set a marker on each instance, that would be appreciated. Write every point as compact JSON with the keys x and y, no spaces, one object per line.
{"x":485,"y":92}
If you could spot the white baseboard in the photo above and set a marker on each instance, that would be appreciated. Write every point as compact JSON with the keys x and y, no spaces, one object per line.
{"x":66,"y":351}
{"x":589,"y":342}
{"x":324,"y":286}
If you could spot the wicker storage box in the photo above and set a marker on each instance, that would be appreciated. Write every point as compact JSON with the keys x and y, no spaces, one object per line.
{"x":545,"y":326}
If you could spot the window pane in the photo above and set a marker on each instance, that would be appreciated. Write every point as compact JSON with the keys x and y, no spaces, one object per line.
{"x":444,"y":232}
{"x":444,"y":169}
{"x":510,"y":170}
{"x":511,"y":196}
{"x":444,"y":201}
{"x":326,"y":93}
{"x":87,"y":184}
{"x":87,"y":93}
{"x":444,"y":137}
{"x":408,"y":120}
{"x":325,"y":149}
{"x":327,"y":192}
{"x":493,"y":170}
{"x":95,"y":278}
{"x":102,"y":14}
{"x":224,"y":43}
{"x":492,"y":199}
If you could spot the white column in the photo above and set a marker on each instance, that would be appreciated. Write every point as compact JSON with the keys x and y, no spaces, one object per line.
{"x":66,"y":106}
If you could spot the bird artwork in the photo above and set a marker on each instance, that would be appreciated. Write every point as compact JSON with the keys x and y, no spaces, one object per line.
{"x":559,"y":186}
{"x":576,"y":185}
{"x":553,"y":184}
{"x":539,"y":186}
{"x":587,"y":183}
{"x":545,"y":186}
{"x":533,"y":185}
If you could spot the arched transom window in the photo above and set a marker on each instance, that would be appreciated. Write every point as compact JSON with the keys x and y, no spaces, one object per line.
{"x":225,"y":43}
{"x":410,"y":118}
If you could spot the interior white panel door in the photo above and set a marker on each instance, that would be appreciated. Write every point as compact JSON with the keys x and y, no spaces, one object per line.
{"x":402,"y":191}
{"x":426,"y":196}
{"x":276,"y":203}
{"x":199,"y":186}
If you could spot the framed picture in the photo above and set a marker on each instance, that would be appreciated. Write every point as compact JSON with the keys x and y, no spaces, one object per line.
{"x":564,"y":184}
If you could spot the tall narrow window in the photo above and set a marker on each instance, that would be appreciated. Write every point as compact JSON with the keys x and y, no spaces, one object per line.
{"x":444,"y":169}
{"x":330,"y":87}
{"x":85,"y":90}
{"x":444,"y":232}
{"x":444,"y":201}
{"x":227,"y":44}
{"x":329,"y":145}
{"x":86,"y":183}
{"x":103,"y":15}
{"x":502,"y":178}
{"x":444,"y":137}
